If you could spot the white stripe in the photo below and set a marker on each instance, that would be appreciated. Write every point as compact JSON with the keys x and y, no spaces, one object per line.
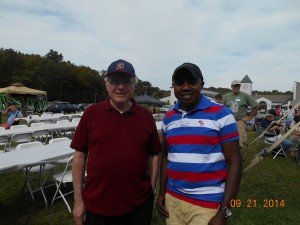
{"x":226,"y":120}
{"x":211,"y":124}
{"x":195,"y":158}
{"x":203,"y":190}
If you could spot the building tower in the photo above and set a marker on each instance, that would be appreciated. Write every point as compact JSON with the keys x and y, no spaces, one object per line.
{"x":246,"y":85}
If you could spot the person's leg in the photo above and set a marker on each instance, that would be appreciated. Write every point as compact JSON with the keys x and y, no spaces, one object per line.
{"x":184,"y":213}
{"x":143,"y":214}
{"x":287,"y":144}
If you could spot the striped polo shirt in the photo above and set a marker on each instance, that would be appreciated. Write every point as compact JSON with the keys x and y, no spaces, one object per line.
{"x":196,"y":165}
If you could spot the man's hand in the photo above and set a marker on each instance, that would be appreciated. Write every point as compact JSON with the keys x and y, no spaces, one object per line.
{"x":78,"y":213}
{"x":161,"y":206}
{"x":218,"y":219}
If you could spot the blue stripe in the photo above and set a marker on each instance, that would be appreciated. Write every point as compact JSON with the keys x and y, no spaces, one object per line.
{"x":195,"y":149}
{"x":197,"y":167}
{"x":179,"y":131}
{"x":191,"y":185}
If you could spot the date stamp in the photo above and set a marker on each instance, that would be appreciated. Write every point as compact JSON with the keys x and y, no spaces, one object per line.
{"x":254,"y":203}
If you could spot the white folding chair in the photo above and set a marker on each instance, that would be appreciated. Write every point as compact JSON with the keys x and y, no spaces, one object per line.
{"x":22,"y":126}
{"x":39,"y":170}
{"x":270,"y":138}
{"x":64,"y":132}
{"x":61,"y":179}
{"x":18,"y":139}
{"x":64,"y":118}
{"x":38,"y":124}
{"x":41,"y":135}
{"x":3,"y":142}
{"x":61,"y":139}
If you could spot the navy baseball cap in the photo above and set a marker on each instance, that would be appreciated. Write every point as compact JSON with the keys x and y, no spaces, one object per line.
{"x":120,"y":66}
{"x":192,"y":68}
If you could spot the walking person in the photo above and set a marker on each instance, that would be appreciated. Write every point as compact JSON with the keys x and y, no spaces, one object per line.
{"x":117,"y":143}
{"x":201,"y":164}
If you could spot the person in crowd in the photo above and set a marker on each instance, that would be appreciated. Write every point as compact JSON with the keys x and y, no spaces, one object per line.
{"x":117,"y":143}
{"x":218,"y":98}
{"x":13,"y":116}
{"x":295,"y":137}
{"x":278,"y":112}
{"x":290,"y":116}
{"x":238,"y":103}
{"x":201,"y":164}
{"x":273,"y":130}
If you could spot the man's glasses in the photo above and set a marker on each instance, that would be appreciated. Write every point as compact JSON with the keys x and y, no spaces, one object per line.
{"x":114,"y":80}
{"x":236,"y":85}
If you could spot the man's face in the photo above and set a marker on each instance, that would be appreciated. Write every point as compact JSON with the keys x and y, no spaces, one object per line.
{"x":120,"y":87}
{"x":13,"y":108}
{"x":235,"y":88}
{"x":187,"y":90}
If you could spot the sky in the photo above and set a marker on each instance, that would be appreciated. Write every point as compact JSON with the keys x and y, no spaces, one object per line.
{"x":227,"y":39}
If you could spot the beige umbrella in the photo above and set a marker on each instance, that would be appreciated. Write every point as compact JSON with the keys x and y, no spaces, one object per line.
{"x":19,"y":88}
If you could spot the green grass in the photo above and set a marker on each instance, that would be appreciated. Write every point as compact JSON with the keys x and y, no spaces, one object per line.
{"x":271,"y":179}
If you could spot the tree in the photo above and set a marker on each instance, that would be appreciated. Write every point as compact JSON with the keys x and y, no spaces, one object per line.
{"x":54,"y":56}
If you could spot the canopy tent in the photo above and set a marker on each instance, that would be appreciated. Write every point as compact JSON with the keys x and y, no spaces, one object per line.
{"x":19,"y":89}
{"x":146,"y":99}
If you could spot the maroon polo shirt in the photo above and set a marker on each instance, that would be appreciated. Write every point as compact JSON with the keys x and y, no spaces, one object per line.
{"x":118,"y":146}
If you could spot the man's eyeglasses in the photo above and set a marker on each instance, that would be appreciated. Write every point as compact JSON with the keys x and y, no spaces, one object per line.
{"x":114,"y":80}
{"x":236,"y":85}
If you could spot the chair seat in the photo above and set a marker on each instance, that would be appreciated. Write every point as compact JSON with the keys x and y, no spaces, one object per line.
{"x":67,"y":178}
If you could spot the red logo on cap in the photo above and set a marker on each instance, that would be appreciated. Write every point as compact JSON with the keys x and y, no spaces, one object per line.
{"x":120,"y":66}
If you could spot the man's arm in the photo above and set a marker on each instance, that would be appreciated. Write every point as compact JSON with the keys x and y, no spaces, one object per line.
{"x":153,"y":169}
{"x":78,"y":173}
{"x":163,"y":181}
{"x":233,"y":158}
{"x":254,"y":111}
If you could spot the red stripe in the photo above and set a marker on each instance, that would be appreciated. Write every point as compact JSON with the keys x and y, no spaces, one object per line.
{"x":210,"y":205}
{"x":231,"y":135}
{"x":197,"y":177}
{"x":193,"y":139}
{"x":214,"y":109}
{"x":171,"y":113}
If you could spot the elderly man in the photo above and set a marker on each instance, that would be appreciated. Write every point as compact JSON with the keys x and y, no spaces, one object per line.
{"x":117,"y":143}
{"x":238,"y":103}
{"x":13,"y":115}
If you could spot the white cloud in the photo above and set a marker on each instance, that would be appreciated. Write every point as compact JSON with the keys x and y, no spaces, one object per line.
{"x":227,"y":39}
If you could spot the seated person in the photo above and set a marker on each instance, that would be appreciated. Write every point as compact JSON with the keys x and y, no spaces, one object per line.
{"x":273,"y":131}
{"x":13,"y":113}
{"x":296,"y":137}
{"x":218,"y":98}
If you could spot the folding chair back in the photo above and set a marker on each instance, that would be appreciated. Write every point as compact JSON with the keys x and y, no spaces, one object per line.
{"x":4,"y":142}
{"x":19,"y":138}
{"x":22,"y":126}
{"x":41,"y":135}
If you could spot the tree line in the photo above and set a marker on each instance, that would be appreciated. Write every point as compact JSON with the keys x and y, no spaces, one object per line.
{"x":61,"y":79}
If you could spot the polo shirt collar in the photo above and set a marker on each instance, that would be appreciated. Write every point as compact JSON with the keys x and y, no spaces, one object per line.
{"x":132,"y":109}
{"x":203,"y":104}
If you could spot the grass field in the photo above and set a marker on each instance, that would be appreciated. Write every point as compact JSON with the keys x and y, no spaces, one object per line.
{"x":269,"y":194}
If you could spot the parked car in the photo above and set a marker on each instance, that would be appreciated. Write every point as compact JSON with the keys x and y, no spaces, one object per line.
{"x":165,"y":108}
{"x":62,"y":107}
{"x":82,"y":106}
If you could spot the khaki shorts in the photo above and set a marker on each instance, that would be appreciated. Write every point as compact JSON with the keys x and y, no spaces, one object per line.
{"x":242,"y":132}
{"x":184,"y":213}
